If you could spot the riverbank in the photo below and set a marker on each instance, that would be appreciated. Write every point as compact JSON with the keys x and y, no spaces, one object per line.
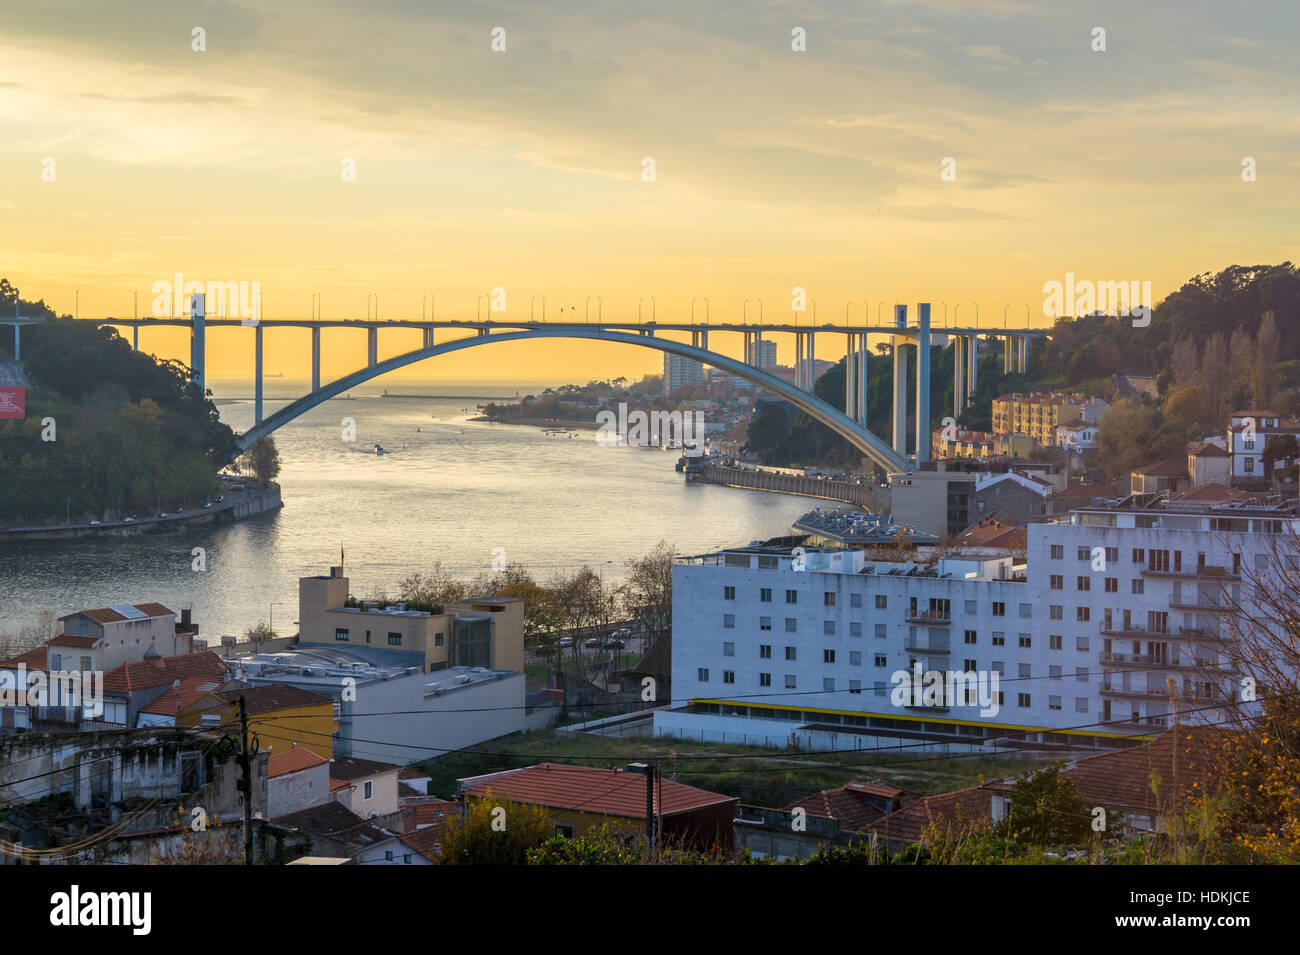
{"x":846,"y":492}
{"x":238,"y":505}
{"x":568,"y":424}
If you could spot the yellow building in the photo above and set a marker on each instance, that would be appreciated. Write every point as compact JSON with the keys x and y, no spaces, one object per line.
{"x":281,"y":716}
{"x":485,"y":631}
{"x":1036,"y":415}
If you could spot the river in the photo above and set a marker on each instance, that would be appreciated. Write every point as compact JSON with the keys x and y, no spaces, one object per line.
{"x":450,"y":489}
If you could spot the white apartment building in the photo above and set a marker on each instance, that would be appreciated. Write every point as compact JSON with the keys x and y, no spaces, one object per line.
{"x":680,"y":372}
{"x":1248,"y":433}
{"x":1113,"y":604}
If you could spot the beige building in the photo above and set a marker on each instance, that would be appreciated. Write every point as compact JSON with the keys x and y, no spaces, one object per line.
{"x":366,"y":787}
{"x":1038,"y":415}
{"x":1209,"y":464}
{"x":482,"y":632}
{"x":933,"y":502}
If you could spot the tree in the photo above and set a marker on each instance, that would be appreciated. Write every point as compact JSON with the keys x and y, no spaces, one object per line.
{"x":1127,"y":435}
{"x":1186,"y":363}
{"x":1187,"y":404}
{"x":1268,"y":348}
{"x":494,"y":831}
{"x":262,"y":460}
{"x":1280,"y":447}
{"x":1046,"y":809}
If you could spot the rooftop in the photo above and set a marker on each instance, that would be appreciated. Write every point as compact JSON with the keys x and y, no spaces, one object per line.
{"x":293,"y":760}
{"x":276,"y":696}
{"x":607,"y":792}
{"x":120,"y":612}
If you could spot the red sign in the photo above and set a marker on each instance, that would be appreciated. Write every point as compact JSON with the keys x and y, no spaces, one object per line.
{"x":13,"y":402}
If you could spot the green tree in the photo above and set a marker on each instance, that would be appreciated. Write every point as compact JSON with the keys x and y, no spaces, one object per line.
{"x":262,"y":461}
{"x":1046,"y":809}
{"x":494,"y":831}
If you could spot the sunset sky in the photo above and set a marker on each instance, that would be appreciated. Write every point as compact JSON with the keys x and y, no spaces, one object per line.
{"x":523,"y":169}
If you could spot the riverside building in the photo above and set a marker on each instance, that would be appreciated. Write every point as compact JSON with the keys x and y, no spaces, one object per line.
{"x":1111,"y":627}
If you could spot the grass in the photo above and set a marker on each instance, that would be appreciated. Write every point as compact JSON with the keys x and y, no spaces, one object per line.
{"x":756,"y":774}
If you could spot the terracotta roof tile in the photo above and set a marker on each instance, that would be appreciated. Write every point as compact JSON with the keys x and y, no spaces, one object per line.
{"x":74,"y":640}
{"x":32,"y":659}
{"x":275,"y":696}
{"x":347,"y":768}
{"x":293,"y":760}
{"x":179,"y":697}
{"x":146,"y":674}
{"x":963,"y":809}
{"x":1186,"y":758}
{"x":609,"y":792}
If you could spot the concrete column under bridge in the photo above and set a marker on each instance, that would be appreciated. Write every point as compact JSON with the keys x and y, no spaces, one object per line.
{"x":900,"y":382}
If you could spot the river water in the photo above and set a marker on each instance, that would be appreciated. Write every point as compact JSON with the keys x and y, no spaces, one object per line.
{"x":450,"y":490}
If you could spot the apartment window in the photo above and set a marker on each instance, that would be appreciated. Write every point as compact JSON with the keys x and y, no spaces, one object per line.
{"x":737,"y":560}
{"x":855,"y":629}
{"x":340,"y":634}
{"x":765,"y":595}
{"x":1139,"y":555}
{"x":998,"y":667}
{"x":394,"y":639}
{"x":828,"y":656}
{"x":367,"y":789}
{"x":1022,"y":700}
{"x":1083,"y":583}
{"x":766,"y":563}
{"x":1081,"y":674}
{"x":1053,"y":702}
{"x":1058,"y":551}
{"x":1023,"y":671}
{"x":764,"y":623}
{"x":999,"y":608}
{"x":702,"y":674}
{"x":437,"y":639}
{"x":881,"y":601}
{"x":765,"y":679}
{"x":828,"y":628}
{"x":1081,"y":644}
{"x":729,"y":621}
{"x":1084,"y":553}
{"x":1025,"y":640}
{"x":1054,"y":672}
{"x":1112,"y":555}
{"x":792,"y":596}
{"x":791,"y":653}
{"x":1139,"y":585}
{"x":791,"y":625}
{"x":855,"y":600}
{"x":1026,"y":611}
{"x":1112,"y":585}
{"x":1056,"y":612}
{"x":828,"y":684}
{"x":728,"y":649}
{"x":855,"y":658}
{"x":1054,"y":641}
{"x":728,"y":593}
{"x":1158,"y":560}
{"x":367,"y":636}
{"x":881,"y":631}
{"x":1057,"y":582}
{"x":999,"y":638}
{"x":1081,"y":704}
{"x":1082,"y":614}
{"x":972,"y":606}
{"x":881,"y":660}
{"x":828,"y":598}
{"x":728,"y":676}
{"x":879,"y":688}
{"x":971,"y":637}
{"x":765,"y":651}
{"x":855,"y":686}
{"x":969,"y":666}
{"x":790,"y":682}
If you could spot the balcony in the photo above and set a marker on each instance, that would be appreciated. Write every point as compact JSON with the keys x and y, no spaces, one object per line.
{"x":1150,"y":662}
{"x":1200,"y":606}
{"x":1206,"y":572}
{"x":1119,"y":693}
{"x":1135,"y":729}
{"x":930,"y":617}
{"x":915,"y":647}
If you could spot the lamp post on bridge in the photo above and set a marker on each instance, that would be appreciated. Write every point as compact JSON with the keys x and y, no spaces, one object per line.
{"x":315,"y":306}
{"x":652,"y":308}
{"x":706,"y":310}
{"x":533,"y":298}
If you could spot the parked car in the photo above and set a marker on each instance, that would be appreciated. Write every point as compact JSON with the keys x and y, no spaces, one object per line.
{"x":127,"y":520}
{"x":207,"y":504}
{"x":566,"y":641}
{"x":220,"y":498}
{"x":162,"y":513}
{"x":93,"y":521}
{"x":623,"y":634}
{"x":592,"y":643}
{"x":612,"y":644}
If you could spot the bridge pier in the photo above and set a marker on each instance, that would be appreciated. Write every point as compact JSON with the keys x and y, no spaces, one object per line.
{"x":135,"y":338}
{"x":973,"y":366}
{"x":198,"y":316}
{"x":315,"y":358}
{"x":958,"y":375}
{"x":855,"y":378}
{"x":428,"y":337}
{"x":900,"y":382}
{"x":1006,"y":354}
{"x":1024,"y":353}
{"x":372,"y":346}
{"x":923,"y":382}
{"x":257,"y":374}
{"x":18,"y":343}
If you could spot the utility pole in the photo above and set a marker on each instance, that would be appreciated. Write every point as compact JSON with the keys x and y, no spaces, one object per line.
{"x":245,"y":782}
{"x":649,"y":772}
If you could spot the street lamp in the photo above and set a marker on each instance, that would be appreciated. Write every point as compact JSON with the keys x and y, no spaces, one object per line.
{"x":652,"y":308}
{"x":531,"y":299}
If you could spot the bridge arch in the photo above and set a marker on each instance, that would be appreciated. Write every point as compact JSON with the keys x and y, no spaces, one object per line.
{"x":861,"y":438}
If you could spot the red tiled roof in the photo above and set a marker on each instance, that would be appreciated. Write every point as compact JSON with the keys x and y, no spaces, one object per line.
{"x":963,"y":809}
{"x":293,"y":760}
{"x":1176,"y":467}
{"x":1213,"y":492}
{"x":1074,"y":489}
{"x":178,"y":697}
{"x":996,"y":530}
{"x":275,"y":696}
{"x":348,"y":768}
{"x":853,"y":812}
{"x":73,"y":640}
{"x":1207,"y":450}
{"x":608,"y":792}
{"x":32,"y":659}
{"x":109,"y":615}
{"x":427,"y":842}
{"x":1186,"y":758}
{"x":146,"y":674}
